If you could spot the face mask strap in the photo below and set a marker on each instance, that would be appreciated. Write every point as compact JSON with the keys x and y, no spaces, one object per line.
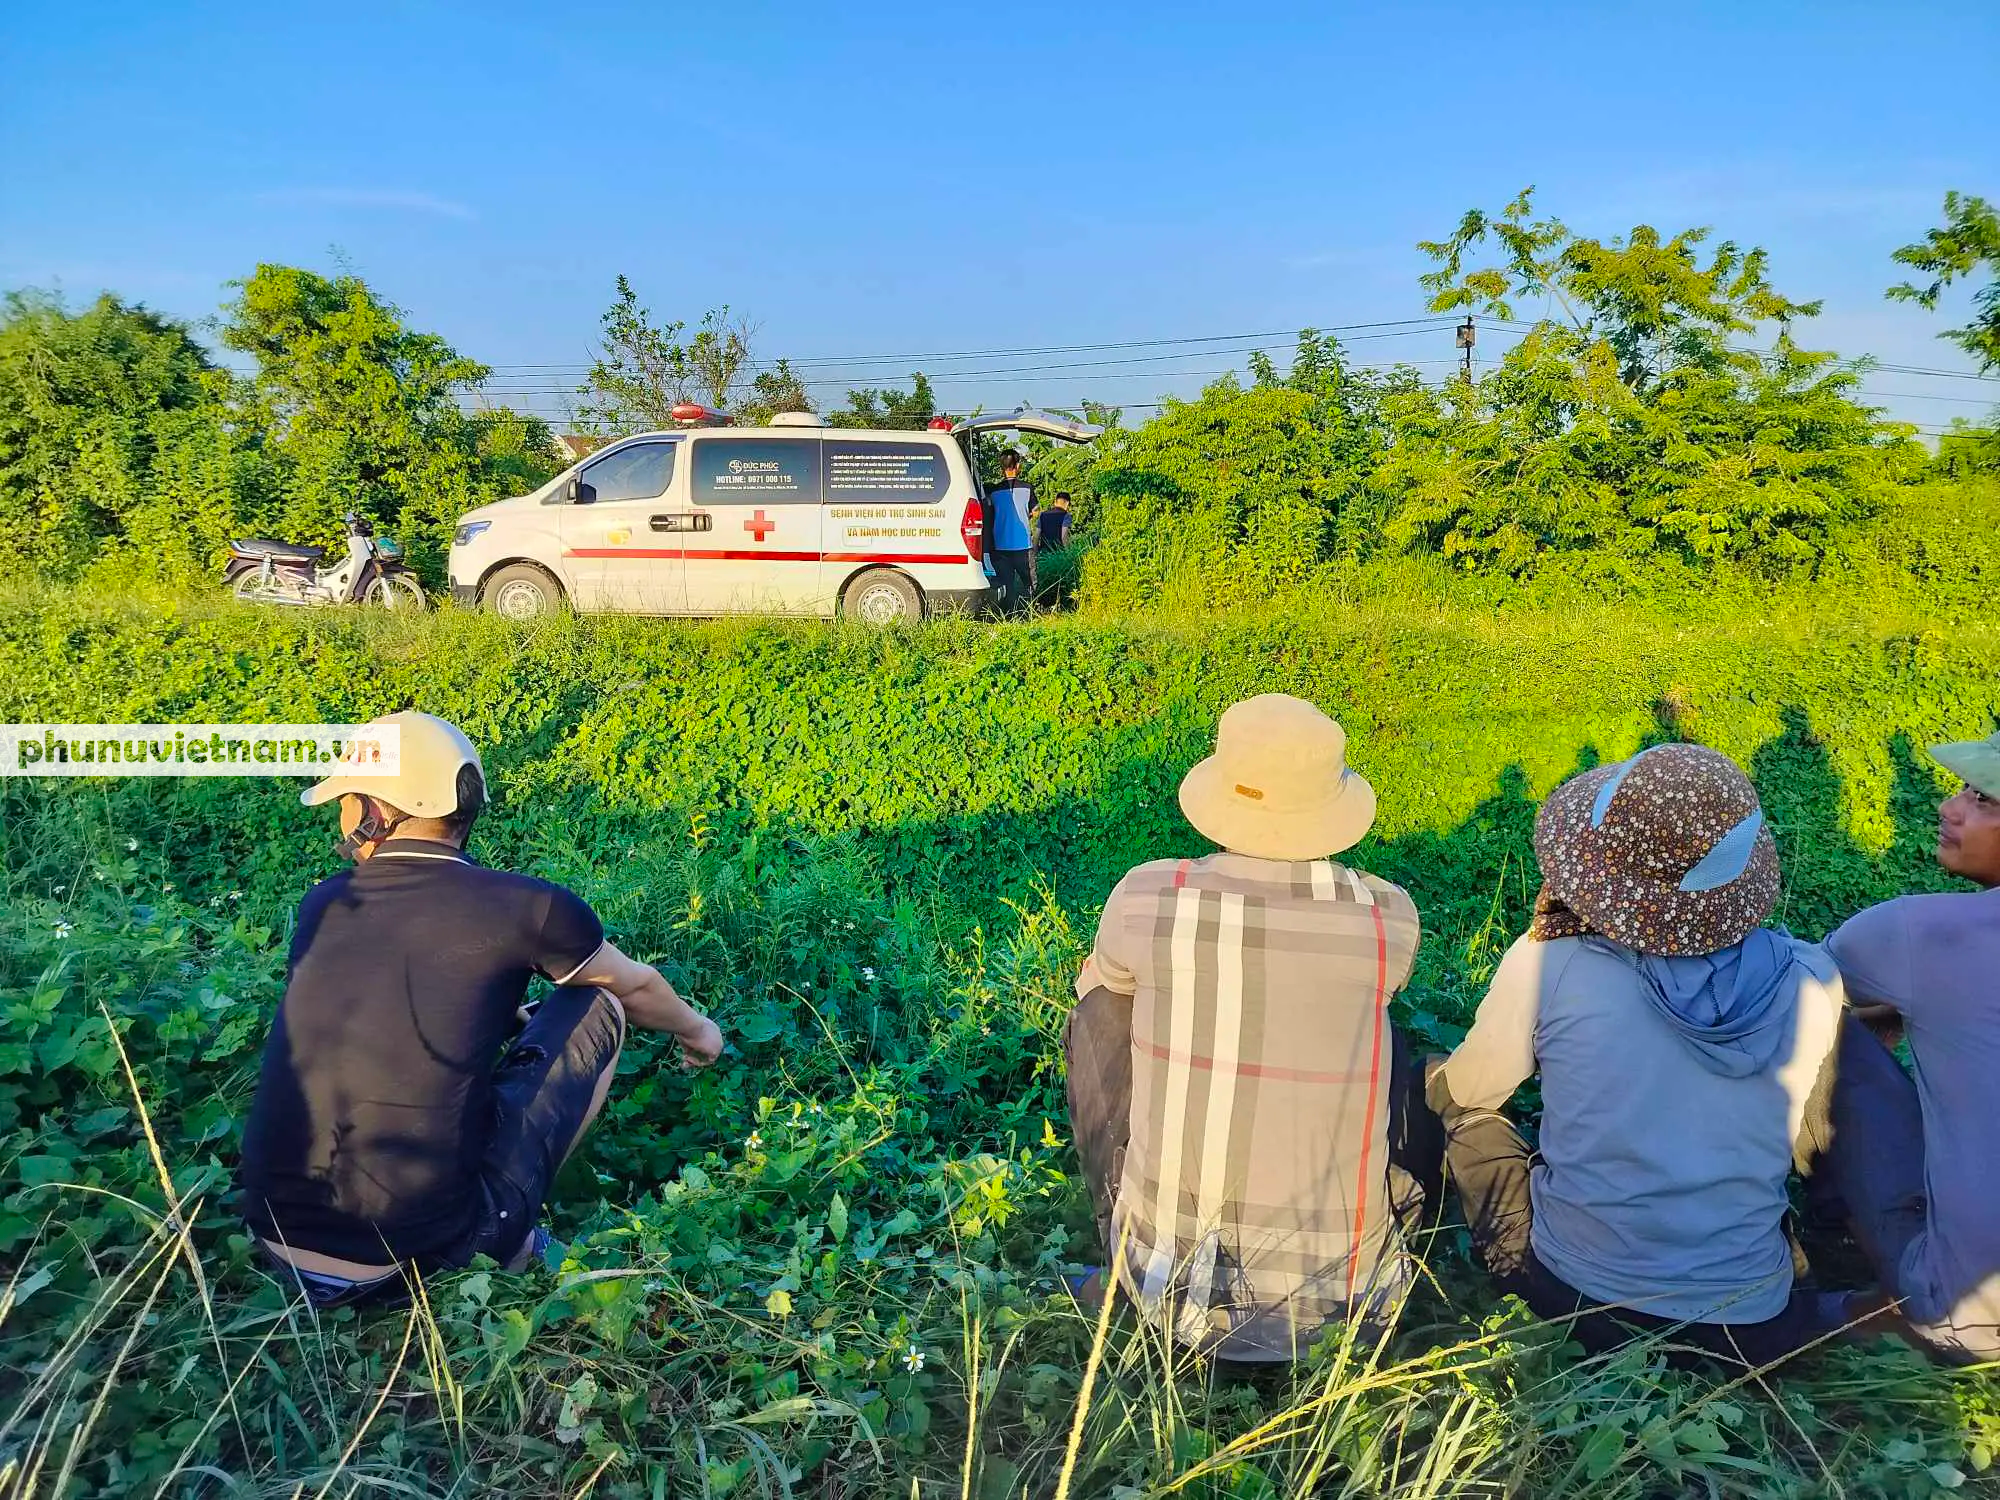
{"x":372,"y":829}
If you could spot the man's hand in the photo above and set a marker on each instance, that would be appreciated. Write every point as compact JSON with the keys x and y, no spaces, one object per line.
{"x":652,"y":1004}
{"x":1884,"y":1020}
{"x":702,"y":1044}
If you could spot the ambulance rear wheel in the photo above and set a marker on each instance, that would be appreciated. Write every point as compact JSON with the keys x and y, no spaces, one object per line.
{"x":882,"y":596}
{"x":522,"y":592}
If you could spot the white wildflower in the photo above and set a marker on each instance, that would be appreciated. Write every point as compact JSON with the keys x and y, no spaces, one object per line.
{"x":131,"y":846}
{"x":756,"y":1141}
{"x":235,"y":895}
{"x":868,"y":974}
{"x":63,"y":929}
{"x":913,"y":1359}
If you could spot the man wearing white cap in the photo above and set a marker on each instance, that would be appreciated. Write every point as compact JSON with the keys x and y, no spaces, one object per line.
{"x":398,"y":1122}
{"x":1249,"y":1123}
{"x":1916,"y":1163}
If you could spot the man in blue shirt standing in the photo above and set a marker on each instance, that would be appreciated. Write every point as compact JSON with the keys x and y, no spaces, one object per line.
{"x":1010,"y":536}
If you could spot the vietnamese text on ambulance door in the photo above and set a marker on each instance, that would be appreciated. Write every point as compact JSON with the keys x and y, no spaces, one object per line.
{"x":885,"y":507}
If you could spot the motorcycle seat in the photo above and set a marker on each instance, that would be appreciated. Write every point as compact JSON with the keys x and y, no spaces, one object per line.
{"x":258,"y":546}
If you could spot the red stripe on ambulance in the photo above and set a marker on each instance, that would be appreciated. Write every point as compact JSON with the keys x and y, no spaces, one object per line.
{"x":710,"y":555}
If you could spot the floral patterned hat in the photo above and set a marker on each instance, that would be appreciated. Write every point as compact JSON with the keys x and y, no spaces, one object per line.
{"x":1665,"y":853}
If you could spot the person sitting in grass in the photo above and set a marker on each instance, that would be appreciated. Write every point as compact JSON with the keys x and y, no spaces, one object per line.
{"x":1249,"y":1123}
{"x":1915,"y":1163}
{"x":1678,"y":1041}
{"x":396,"y":1123}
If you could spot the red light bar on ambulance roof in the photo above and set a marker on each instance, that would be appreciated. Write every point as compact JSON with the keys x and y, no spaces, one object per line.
{"x":693,"y":413}
{"x":939,"y":424}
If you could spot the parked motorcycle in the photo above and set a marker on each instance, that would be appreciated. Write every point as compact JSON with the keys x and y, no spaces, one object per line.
{"x":263,"y":571}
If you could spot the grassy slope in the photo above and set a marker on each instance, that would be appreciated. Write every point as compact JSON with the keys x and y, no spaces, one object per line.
{"x":877,"y":857}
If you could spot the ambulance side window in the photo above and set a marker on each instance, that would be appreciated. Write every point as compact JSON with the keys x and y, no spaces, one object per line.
{"x":639,"y":472}
{"x":756,"y":471}
{"x":864,"y":471}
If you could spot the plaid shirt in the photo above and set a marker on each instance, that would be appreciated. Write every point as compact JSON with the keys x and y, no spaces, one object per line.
{"x":1260,"y":1063}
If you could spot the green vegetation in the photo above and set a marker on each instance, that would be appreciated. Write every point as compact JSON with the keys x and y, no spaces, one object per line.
{"x":125,"y":448}
{"x":832,"y":1265}
{"x":829,"y":1266}
{"x":1967,"y":244}
{"x":1630,"y":431}
{"x":1664,"y":411}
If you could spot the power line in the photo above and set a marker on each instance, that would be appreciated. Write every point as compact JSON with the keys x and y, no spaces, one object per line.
{"x":556,"y":372}
{"x":1213,"y":338}
{"x":1939,"y":374}
{"x":1926,"y":396}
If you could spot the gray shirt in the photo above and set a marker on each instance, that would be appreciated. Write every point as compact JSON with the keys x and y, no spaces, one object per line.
{"x":1660,"y":1184}
{"x":1937,"y":960}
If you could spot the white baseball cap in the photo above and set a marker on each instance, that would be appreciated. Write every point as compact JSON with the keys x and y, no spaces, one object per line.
{"x":426,"y":781}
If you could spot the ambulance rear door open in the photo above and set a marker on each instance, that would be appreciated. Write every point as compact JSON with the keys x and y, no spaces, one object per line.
{"x":1048,"y":424}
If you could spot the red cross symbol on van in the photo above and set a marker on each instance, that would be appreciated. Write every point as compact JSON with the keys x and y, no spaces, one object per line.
{"x":758,"y":525}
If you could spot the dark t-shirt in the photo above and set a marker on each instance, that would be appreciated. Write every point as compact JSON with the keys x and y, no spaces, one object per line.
{"x":374,"y":1104}
{"x":1053,"y":525}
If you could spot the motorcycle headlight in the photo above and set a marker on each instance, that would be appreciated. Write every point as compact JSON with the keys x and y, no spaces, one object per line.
{"x":468,"y":531}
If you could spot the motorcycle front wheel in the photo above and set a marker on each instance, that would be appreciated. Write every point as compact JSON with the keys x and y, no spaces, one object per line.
{"x":398,"y":591}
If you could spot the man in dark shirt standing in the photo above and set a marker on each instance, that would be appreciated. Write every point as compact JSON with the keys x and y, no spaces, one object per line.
{"x":389,"y":1129}
{"x":1010,"y":536}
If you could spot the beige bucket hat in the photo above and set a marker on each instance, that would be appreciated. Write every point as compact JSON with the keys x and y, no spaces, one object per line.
{"x":1666,"y":853}
{"x":1278,"y":785}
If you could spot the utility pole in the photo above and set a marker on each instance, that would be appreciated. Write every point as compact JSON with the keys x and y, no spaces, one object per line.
{"x":1467,"y":332}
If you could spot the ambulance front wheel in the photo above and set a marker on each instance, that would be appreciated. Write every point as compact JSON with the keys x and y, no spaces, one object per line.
{"x":522,"y":592}
{"x":882,"y":596}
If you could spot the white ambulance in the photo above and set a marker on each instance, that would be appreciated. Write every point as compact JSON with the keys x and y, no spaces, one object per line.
{"x":796,"y":518}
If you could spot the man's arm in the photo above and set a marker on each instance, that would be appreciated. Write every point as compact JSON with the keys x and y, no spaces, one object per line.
{"x":1106,"y":967}
{"x":652,"y":1004}
{"x":1872,"y":948}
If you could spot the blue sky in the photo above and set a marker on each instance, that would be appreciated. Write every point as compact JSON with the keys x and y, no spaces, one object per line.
{"x":888,"y":180}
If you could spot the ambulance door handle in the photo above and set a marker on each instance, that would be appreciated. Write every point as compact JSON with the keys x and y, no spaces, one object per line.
{"x":684,"y":521}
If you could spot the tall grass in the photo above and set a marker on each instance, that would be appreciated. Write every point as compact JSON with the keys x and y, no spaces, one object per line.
{"x":832,"y":1266}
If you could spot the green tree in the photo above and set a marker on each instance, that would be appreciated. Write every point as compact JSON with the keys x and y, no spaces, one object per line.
{"x":908,"y":411}
{"x":1632,"y":417}
{"x":1966,"y":244}
{"x":1651,"y":300}
{"x":361,"y":410}
{"x":641,"y":372}
{"x":1244,"y":492}
{"x":643,"y":369}
{"x":99,"y":409}
{"x":718,"y":354}
{"x":778,"y":389}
